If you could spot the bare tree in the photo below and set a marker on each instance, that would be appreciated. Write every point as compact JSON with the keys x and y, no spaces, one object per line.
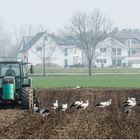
{"x":86,"y":31}
{"x":44,"y":49}
{"x":5,"y":38}
{"x":25,"y":30}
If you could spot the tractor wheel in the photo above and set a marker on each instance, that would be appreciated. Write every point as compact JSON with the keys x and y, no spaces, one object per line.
{"x":27,"y":98}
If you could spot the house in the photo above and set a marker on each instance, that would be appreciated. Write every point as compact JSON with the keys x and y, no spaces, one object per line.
{"x":53,"y":49}
{"x":132,"y":40}
{"x":111,"y":52}
{"x":26,"y":52}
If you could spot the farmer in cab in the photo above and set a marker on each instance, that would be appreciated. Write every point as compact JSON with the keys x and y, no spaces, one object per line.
{"x":10,"y":71}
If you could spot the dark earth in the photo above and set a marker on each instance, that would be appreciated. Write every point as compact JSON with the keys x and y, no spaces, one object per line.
{"x":90,"y":123}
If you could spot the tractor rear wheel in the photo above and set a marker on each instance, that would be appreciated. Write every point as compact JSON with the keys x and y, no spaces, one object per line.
{"x":27,"y":98}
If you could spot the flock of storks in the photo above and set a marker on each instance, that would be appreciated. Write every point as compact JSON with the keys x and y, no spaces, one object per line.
{"x":127,"y":105}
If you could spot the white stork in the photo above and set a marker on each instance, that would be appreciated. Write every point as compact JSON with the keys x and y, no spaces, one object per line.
{"x":84,"y":105}
{"x":78,"y":87}
{"x":129,"y":100}
{"x":76,"y":104}
{"x":103,"y":104}
{"x":55,"y":105}
{"x":44,"y":112}
{"x":130,"y":104}
{"x":63,"y":107}
{"x":36,"y":109}
{"x":127,"y":111}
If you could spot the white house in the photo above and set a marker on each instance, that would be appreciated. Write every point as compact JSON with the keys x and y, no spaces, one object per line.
{"x":133,"y":52}
{"x":111,"y":52}
{"x":54,"y":49}
{"x":132,"y":41}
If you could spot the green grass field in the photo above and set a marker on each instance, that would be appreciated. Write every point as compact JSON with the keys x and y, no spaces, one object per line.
{"x":85,"y":70}
{"x":96,"y":81}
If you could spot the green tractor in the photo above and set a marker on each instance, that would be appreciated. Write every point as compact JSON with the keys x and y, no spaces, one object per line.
{"x":15,"y":85}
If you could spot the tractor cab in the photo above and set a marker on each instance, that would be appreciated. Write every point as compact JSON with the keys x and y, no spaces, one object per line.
{"x":10,"y":71}
{"x":14,"y":69}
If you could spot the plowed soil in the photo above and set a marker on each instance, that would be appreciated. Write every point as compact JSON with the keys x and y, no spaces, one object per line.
{"x":74,"y":124}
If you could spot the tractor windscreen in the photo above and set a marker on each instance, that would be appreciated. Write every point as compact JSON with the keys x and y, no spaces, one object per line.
{"x":7,"y":69}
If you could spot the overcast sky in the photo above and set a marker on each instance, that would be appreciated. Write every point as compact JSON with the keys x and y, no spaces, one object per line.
{"x":55,"y":13}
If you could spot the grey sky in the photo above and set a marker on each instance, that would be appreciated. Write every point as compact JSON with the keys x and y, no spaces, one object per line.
{"x":55,"y":13}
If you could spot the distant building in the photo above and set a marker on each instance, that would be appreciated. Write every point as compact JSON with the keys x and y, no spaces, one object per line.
{"x":57,"y":51}
{"x":111,"y":52}
{"x":120,"y":50}
{"x":132,"y":40}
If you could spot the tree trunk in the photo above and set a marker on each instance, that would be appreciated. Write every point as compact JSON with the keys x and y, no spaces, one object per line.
{"x":44,"y":61}
{"x":44,"y":69}
{"x":89,"y":67}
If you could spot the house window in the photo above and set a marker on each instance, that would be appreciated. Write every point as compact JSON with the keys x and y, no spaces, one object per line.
{"x":134,"y":52}
{"x":66,"y":52}
{"x":39,"y":49}
{"x":103,"y":49}
{"x":116,"y":51}
{"x":116,"y":62}
{"x":119,"y":62}
{"x":65,"y":63}
{"x":129,"y":53}
{"x":134,"y":42}
{"x":104,"y":60}
{"x":101,"y":61}
{"x":97,"y":60}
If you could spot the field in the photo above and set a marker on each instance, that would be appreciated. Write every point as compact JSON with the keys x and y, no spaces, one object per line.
{"x":74,"y":124}
{"x":84,"y":70}
{"x":90,"y":123}
{"x":95,"y":81}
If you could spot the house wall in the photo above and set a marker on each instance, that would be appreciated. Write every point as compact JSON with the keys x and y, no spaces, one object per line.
{"x":67,"y":55}
{"x":59,"y":57}
{"x":106,"y":57}
{"x":33,"y":57}
{"x":133,"y":58}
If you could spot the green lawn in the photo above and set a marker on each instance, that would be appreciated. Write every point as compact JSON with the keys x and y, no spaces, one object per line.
{"x":98,"y":81}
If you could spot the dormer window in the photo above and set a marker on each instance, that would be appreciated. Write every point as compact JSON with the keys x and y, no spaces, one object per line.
{"x":132,"y":42}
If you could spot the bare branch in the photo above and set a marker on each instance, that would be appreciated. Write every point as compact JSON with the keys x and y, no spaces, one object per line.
{"x":86,"y":30}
